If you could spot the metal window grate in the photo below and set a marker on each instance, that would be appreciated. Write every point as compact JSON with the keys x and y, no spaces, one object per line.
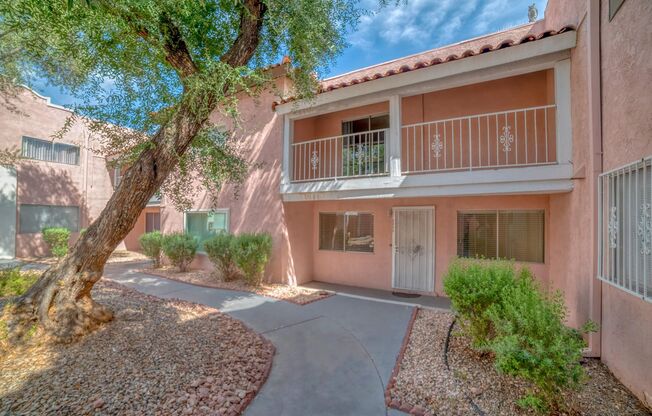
{"x":625,"y":228}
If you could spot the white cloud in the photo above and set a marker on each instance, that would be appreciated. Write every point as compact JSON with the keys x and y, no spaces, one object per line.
{"x":424,"y":24}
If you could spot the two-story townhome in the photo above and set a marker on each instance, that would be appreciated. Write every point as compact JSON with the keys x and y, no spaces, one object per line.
{"x":58,"y":183}
{"x":528,"y":144}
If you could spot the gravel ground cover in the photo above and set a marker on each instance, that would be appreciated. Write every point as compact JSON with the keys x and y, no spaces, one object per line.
{"x":424,"y":385}
{"x":295,"y":294}
{"x":118,"y":256}
{"x":158,"y":357}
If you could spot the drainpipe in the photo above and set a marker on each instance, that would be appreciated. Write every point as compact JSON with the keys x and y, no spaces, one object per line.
{"x":595,"y":133}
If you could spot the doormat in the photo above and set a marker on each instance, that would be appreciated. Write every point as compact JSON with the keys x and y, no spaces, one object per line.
{"x":406,"y":295}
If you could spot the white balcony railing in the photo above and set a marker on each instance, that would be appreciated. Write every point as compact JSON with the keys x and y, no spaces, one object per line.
{"x":346,"y":156}
{"x":521,"y":137}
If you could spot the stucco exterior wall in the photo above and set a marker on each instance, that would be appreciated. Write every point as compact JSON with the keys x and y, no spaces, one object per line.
{"x":626,"y":136}
{"x":329,"y":125}
{"x":529,"y":90}
{"x":49,"y":183}
{"x":87,"y":185}
{"x":375,"y":269}
{"x":257,"y":207}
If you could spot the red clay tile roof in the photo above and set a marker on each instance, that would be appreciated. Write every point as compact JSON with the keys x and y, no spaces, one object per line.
{"x":488,"y":43}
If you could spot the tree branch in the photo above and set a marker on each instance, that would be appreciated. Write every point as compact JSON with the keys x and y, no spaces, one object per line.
{"x":244,"y":46}
{"x":176,"y":50}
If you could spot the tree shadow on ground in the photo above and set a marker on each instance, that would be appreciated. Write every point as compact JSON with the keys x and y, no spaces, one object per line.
{"x":147,"y":361}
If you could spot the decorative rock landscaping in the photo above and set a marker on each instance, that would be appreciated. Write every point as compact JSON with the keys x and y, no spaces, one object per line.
{"x":422,"y":383}
{"x":295,"y":294}
{"x":164,"y":357}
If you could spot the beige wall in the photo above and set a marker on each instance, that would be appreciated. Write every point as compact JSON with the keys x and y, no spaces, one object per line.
{"x":626,"y":136}
{"x":375,"y":269}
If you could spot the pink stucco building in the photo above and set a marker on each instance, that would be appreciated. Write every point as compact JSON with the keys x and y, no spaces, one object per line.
{"x":495,"y":146}
{"x":65,"y":182}
{"x":532,"y":143}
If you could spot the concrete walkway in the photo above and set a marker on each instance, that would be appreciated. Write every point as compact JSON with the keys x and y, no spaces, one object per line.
{"x":333,"y":357}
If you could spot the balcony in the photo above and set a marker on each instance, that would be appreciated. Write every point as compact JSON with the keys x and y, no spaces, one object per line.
{"x":508,"y":135}
{"x":347,"y":156}
{"x":515,"y":138}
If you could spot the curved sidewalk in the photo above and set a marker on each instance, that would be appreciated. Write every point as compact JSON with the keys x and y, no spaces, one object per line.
{"x":333,"y":357}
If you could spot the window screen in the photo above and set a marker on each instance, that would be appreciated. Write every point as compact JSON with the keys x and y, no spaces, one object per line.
{"x":50,"y":151}
{"x":346,"y":231}
{"x":204,"y":225}
{"x":33,"y":218}
{"x":152,"y":222}
{"x":517,"y":235}
{"x":625,"y":228}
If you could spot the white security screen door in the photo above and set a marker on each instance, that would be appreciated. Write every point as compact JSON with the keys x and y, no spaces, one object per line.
{"x":7,"y":213}
{"x":414,"y":249}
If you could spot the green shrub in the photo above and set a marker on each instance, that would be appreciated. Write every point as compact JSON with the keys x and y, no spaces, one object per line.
{"x":505,"y":311}
{"x":180,"y":248}
{"x":151,"y":244}
{"x":13,"y":282}
{"x":474,"y":285}
{"x":221,"y":252}
{"x":252,"y":252}
{"x":532,"y":342}
{"x":57,"y":239}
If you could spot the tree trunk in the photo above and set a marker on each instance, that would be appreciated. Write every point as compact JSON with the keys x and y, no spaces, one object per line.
{"x":60,"y":301}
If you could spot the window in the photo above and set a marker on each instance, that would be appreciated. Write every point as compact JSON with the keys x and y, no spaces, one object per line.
{"x":614,"y":6}
{"x":625,"y":228}
{"x":33,"y":218}
{"x":50,"y":151}
{"x":152,"y":222}
{"x":363,"y":145}
{"x":514,"y":235}
{"x":206,"y":224}
{"x":346,"y":231}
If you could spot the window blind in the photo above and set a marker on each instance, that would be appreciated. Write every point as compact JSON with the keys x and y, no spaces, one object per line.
{"x":50,"y":152}
{"x":517,"y":235}
{"x":152,"y":222}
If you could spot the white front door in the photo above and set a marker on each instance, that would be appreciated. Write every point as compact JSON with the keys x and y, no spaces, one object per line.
{"x":7,"y":213}
{"x":414,"y":249}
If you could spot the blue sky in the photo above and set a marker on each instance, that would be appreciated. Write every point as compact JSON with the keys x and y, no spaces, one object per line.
{"x":405,"y":28}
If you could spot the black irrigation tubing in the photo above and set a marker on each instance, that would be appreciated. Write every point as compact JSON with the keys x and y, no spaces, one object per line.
{"x":475,"y":407}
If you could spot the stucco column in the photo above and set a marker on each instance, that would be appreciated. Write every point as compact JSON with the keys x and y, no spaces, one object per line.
{"x":394,"y":147}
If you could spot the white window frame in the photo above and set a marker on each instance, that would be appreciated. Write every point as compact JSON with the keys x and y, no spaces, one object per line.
{"x":497,"y":212}
{"x":346,"y":214}
{"x":624,"y":241}
{"x":226,"y":211}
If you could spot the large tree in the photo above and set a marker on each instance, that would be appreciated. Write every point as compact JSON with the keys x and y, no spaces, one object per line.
{"x":148,"y":74}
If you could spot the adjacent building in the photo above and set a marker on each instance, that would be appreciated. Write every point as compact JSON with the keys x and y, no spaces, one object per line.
{"x":58,"y":183}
